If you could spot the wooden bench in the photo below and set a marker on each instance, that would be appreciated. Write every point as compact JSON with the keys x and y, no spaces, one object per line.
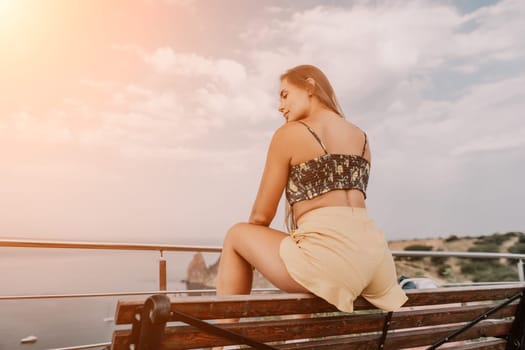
{"x":490,"y":316}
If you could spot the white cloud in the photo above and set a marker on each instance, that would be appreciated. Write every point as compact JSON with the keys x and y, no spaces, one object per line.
{"x":366,"y":50}
{"x":166,"y":61}
{"x":490,"y":143}
{"x":251,"y":103}
{"x":483,"y":119}
{"x":218,"y":90}
{"x":98,"y":84}
{"x":53,"y":127}
{"x":163,"y":105}
{"x":275,"y":9}
{"x":381,"y":65}
{"x":182,"y":3}
{"x":490,"y":117}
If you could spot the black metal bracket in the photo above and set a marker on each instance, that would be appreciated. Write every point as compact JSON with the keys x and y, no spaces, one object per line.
{"x":477,"y":320}
{"x":149,"y":323}
{"x":516,"y":339}
{"x":386,"y":325}
{"x":219,"y":331}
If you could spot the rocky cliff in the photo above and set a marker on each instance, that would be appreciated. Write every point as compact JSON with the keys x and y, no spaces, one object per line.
{"x":201,"y":276}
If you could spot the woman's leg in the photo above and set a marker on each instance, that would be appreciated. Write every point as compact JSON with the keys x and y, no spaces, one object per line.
{"x":247,"y":246}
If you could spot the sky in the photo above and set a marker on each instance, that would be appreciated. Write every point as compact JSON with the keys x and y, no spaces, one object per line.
{"x":149,"y":120}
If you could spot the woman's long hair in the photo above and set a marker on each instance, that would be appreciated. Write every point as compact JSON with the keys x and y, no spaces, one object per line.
{"x":324,"y":91}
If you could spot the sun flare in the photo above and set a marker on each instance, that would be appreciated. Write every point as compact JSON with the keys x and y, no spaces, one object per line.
{"x":7,"y":10}
{"x":5,"y":5}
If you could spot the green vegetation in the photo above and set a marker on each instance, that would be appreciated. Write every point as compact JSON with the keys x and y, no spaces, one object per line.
{"x":438,"y":260}
{"x":475,"y":269}
{"x":417,"y":247}
{"x":519,"y":246}
{"x":490,"y":270}
{"x":445,"y":271}
{"x":488,"y":243}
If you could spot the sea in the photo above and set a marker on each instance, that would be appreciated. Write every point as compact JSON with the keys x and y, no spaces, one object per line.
{"x":66,"y":322}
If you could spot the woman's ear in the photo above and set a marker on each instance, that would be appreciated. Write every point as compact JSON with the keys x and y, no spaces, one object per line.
{"x":311,"y":86}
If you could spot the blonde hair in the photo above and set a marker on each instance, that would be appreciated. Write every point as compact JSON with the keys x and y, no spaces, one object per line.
{"x":323,"y":90}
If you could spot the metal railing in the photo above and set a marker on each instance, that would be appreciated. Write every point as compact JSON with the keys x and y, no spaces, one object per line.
{"x":161,"y":248}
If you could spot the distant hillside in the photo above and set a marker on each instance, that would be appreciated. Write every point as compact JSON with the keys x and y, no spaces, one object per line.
{"x":451,"y":270}
{"x":459,"y":269}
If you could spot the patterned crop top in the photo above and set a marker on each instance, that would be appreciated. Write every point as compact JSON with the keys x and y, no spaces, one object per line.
{"x":326,"y":173}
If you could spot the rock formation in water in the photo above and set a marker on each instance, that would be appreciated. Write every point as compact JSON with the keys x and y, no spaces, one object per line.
{"x":201,"y":276}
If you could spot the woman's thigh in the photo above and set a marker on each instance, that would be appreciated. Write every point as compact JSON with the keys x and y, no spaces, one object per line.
{"x":259,"y":246}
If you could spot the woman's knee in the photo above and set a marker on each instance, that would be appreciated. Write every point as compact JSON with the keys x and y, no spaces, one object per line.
{"x":235,"y":233}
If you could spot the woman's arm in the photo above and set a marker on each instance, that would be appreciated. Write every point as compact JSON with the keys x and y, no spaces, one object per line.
{"x":273,"y":180}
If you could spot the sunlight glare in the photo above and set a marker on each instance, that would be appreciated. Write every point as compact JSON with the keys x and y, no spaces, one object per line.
{"x":7,"y":10}
{"x":5,"y":5}
{"x":10,"y":11}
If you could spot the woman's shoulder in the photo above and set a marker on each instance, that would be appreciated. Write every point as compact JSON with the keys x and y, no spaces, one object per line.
{"x":288,"y":136}
{"x":350,"y":127}
{"x":289,"y":129}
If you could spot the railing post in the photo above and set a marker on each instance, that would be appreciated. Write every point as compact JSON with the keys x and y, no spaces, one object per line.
{"x":520,"y":270}
{"x":162,"y":272}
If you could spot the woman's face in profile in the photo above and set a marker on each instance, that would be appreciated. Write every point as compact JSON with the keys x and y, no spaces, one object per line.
{"x":294,"y":101}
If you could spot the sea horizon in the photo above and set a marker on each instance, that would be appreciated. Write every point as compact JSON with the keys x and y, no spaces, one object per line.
{"x":75,"y":321}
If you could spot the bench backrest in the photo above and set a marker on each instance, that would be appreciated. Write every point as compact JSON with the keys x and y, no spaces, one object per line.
{"x":428,"y":316}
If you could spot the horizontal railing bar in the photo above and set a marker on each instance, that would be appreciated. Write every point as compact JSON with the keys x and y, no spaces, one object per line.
{"x":475,"y":284}
{"x":197,"y":291}
{"x":424,"y":253}
{"x":217,"y":249}
{"x":111,"y":294}
{"x":106,"y":245}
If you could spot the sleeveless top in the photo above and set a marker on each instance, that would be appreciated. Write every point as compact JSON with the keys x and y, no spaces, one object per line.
{"x":326,"y":173}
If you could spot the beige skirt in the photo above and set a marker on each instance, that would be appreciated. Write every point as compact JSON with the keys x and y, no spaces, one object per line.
{"x":338,"y":254}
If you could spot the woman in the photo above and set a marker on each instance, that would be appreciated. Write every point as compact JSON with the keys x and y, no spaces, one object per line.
{"x":322,"y":162}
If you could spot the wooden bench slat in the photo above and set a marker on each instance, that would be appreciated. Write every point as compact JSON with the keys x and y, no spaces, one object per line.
{"x":403,"y":339}
{"x":366,"y":342}
{"x":430,"y":335}
{"x":443,"y":316}
{"x":276,"y":330}
{"x":238,"y":306}
{"x":266,"y":305}
{"x":119,"y":339}
{"x":419,"y":297}
{"x":328,"y":326}
{"x":497,"y":344}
